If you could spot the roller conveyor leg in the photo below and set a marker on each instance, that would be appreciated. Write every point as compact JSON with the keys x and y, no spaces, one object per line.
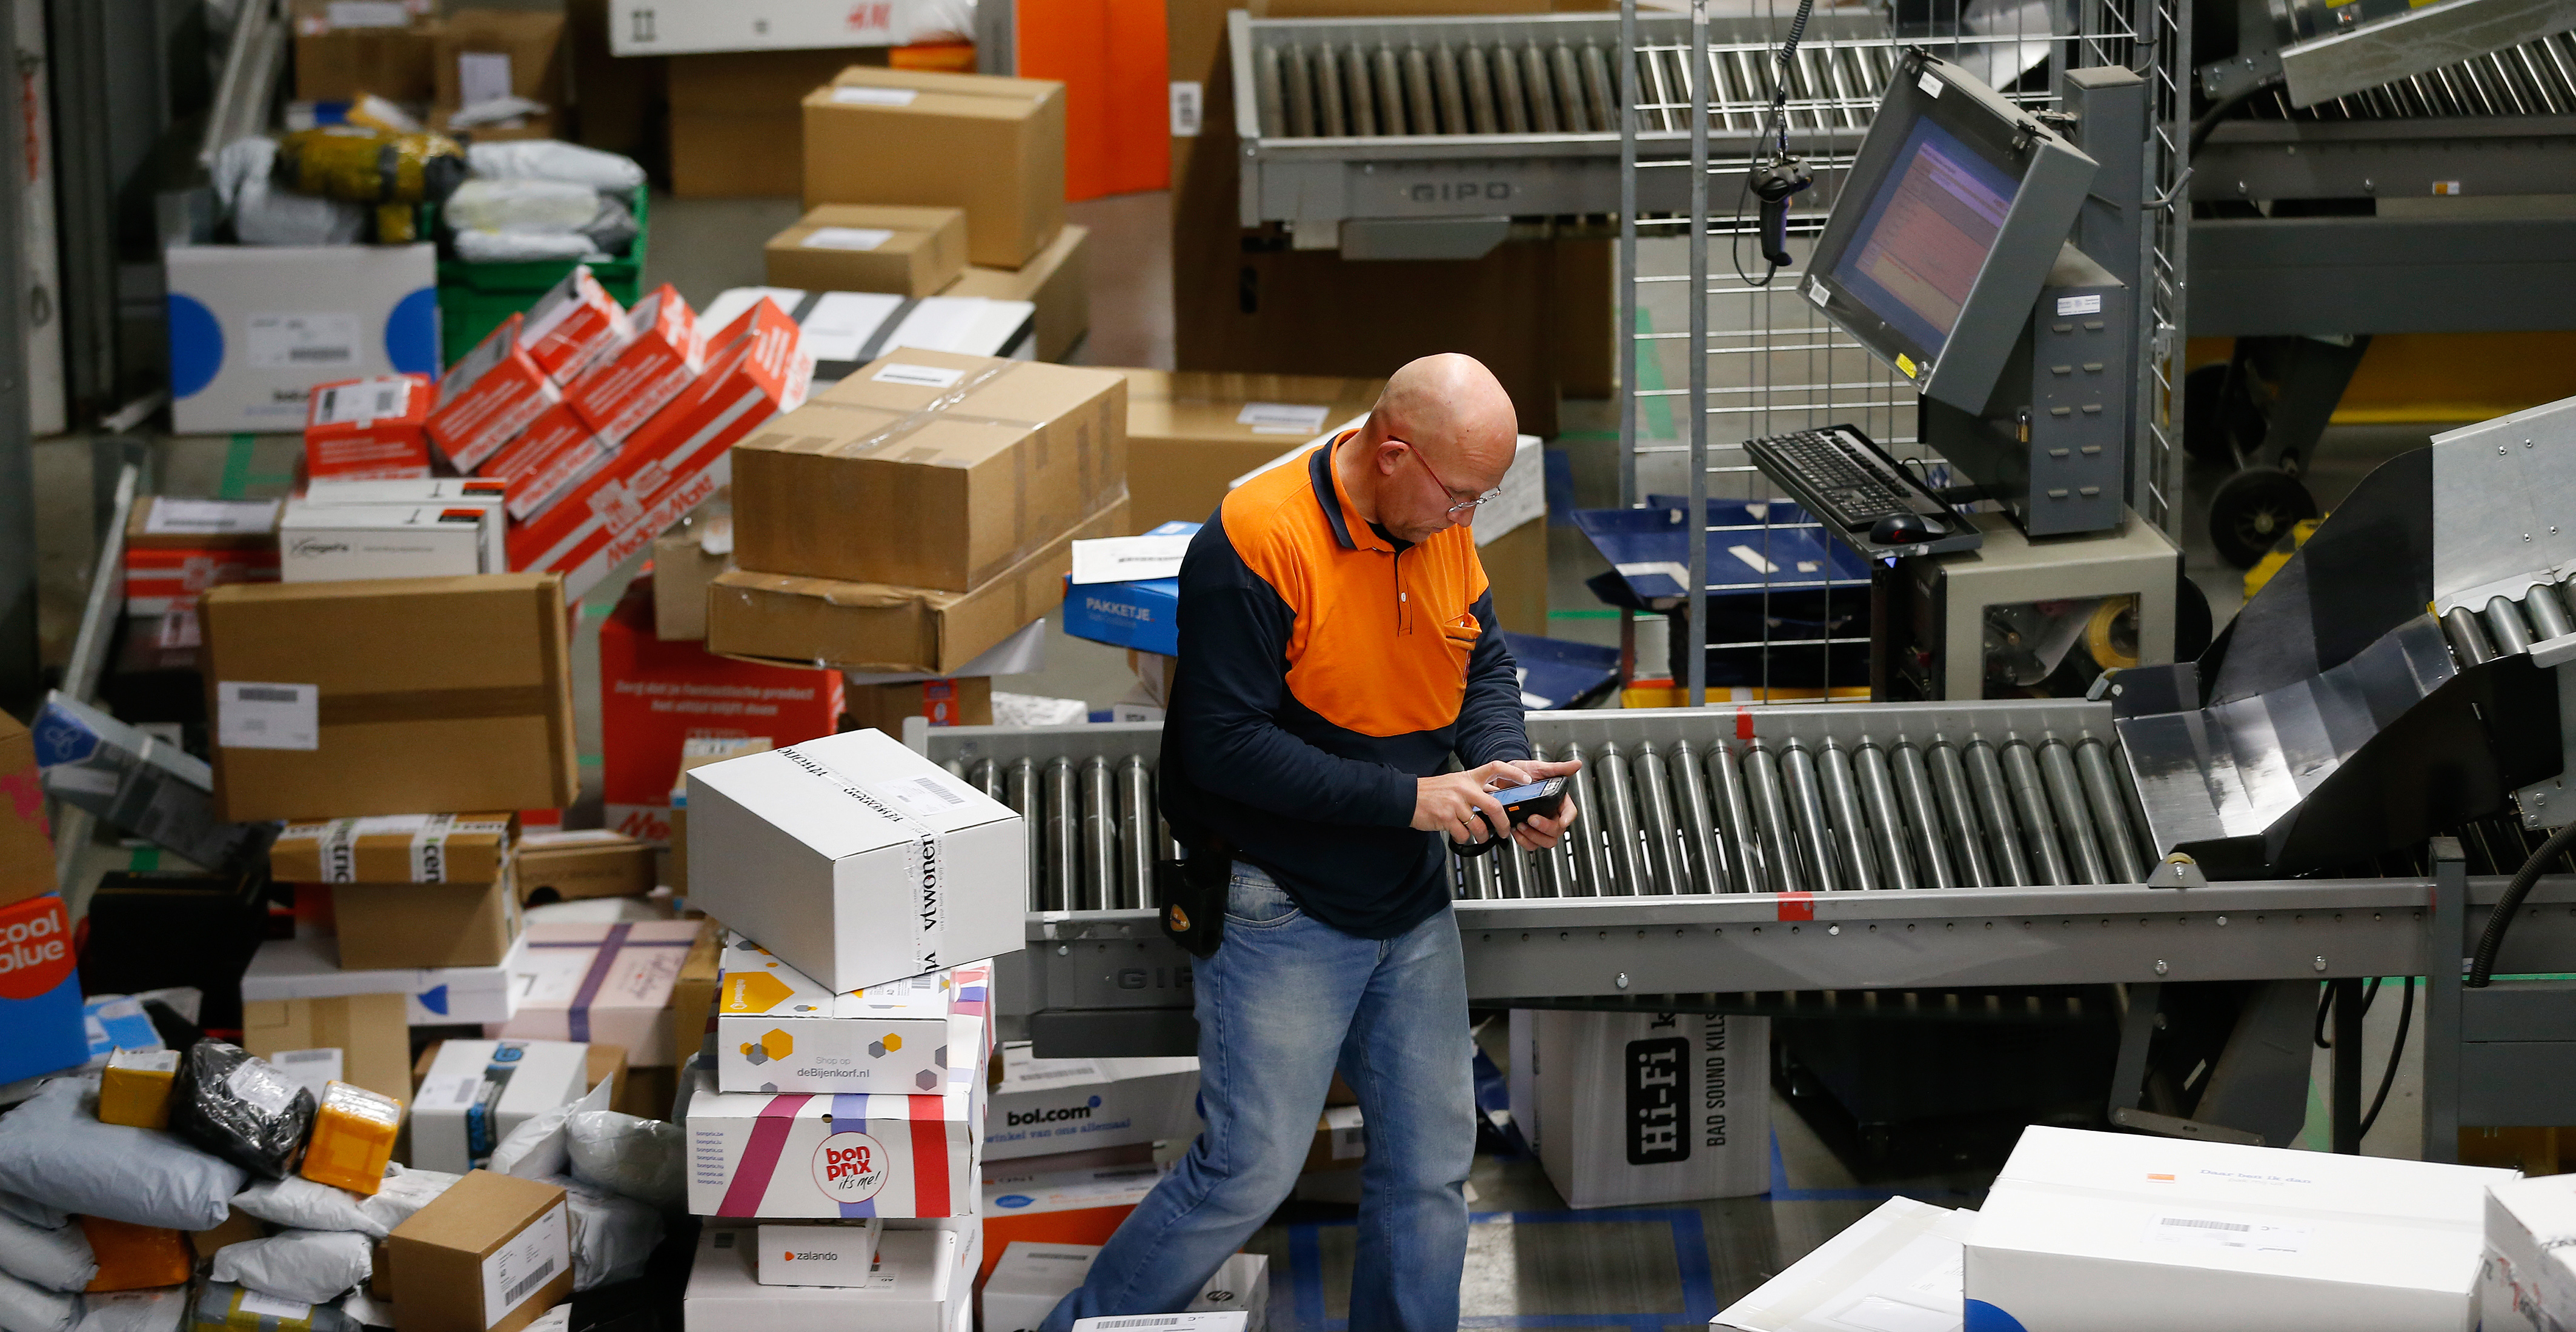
{"x":1591,"y":864}
{"x":1746,"y":871}
{"x":1707,"y":870}
{"x":1666,"y":873}
{"x":2030,"y":800}
{"x":1510,"y":98}
{"x":2102,"y":791}
{"x":1815,"y":846}
{"x":1298,"y":86}
{"x":2066,"y":796}
{"x":1099,"y":836}
{"x":1923,"y":819}
{"x":1886,"y":821}
{"x":1995,"y":811}
{"x":1542,"y":91}
{"x":1482,"y":115}
{"x":1851,"y":825}
{"x":1567,"y":70}
{"x":1022,"y":796}
{"x":1771,"y":812}
{"x":1420,"y":99}
{"x":1627,"y":861}
{"x":1451,"y":91}
{"x":1136,"y":829}
{"x":1063,"y":838}
{"x":1331,"y":120}
{"x":1389,"y":87}
{"x":1357,"y":83}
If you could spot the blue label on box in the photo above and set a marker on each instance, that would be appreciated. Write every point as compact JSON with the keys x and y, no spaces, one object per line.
{"x":1142,"y":615}
{"x":62,"y":737}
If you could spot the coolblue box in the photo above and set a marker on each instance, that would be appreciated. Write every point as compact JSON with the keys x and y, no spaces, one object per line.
{"x":41,"y":1025}
{"x":253,"y":328}
{"x":1142,"y":615}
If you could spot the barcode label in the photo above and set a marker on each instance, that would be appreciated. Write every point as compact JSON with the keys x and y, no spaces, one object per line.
{"x":519,"y":1290}
{"x":921,"y":376}
{"x":265,"y":694}
{"x":525,"y":1263}
{"x":2205,"y":1225}
{"x":1166,"y":1320}
{"x":2237,"y":1236}
{"x":943,"y":794}
{"x":268,"y":715}
{"x":361,"y":402}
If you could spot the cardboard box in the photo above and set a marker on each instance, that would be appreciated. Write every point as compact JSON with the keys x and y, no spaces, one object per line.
{"x":2085,"y":1230}
{"x":547,"y":460}
{"x":826,"y":1253}
{"x":855,"y":859}
{"x":640,"y":27}
{"x":800,"y":1155}
{"x":2526,"y":1283}
{"x":26,"y":842}
{"x":1897,"y":1267}
{"x":369,"y":428}
{"x":176,"y":548}
{"x":40,"y":1010}
{"x":135,"y":782}
{"x":367,"y":1038}
{"x":309,"y":968}
{"x":846,"y":330}
{"x":451,"y":492}
{"x":1190,"y":433}
{"x":343,"y":52}
{"x":908,"y":1291}
{"x":415,"y":926}
{"x":1029,"y":1280}
{"x":683,"y":565}
{"x":656,"y":697}
{"x":737,"y":120}
{"x":756,"y":367}
{"x":1065,"y":1207}
{"x":607,"y":983}
{"x":572,"y":323}
{"x":394,"y":848}
{"x":344,"y":699}
{"x":338,"y":543}
{"x":861,"y":247}
{"x":134,"y":1089}
{"x":1141,"y":615}
{"x":955,"y":701}
{"x":1057,"y":280}
{"x":778,"y":1031}
{"x":1634,"y":1108}
{"x":638,"y":372}
{"x":594,"y":862}
{"x":480,"y":54}
{"x":487,"y":398}
{"x":477,"y":1092}
{"x":992,"y":146}
{"x":1046,"y":1106}
{"x":970,"y":463}
{"x":693,"y":995}
{"x":237,"y":363}
{"x":488,"y":1255}
{"x":1516,"y":573}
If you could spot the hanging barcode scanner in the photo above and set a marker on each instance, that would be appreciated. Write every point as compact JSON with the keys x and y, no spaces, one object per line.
{"x":1776,"y":179}
{"x":1774,"y":182}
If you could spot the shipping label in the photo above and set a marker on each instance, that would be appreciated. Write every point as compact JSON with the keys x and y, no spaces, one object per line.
{"x":523,"y":1266}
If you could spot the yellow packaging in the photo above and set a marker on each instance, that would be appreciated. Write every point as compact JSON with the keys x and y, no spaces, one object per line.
{"x":353,"y":1137}
{"x":135,"y":1089}
{"x":363,"y":165}
{"x":132,"y":1257}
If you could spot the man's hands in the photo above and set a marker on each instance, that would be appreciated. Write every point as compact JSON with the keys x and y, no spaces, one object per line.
{"x":1450,"y":803}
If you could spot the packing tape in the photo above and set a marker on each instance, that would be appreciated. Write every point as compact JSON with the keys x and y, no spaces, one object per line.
{"x":921,"y":858}
{"x":2185,"y":1199}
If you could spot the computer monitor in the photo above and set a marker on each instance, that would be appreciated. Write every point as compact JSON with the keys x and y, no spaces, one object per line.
{"x":1955,"y":209}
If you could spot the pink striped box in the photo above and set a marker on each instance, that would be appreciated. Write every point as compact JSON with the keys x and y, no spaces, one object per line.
{"x":606,"y":983}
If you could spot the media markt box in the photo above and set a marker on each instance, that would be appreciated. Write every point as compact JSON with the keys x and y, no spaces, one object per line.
{"x":856,"y":860}
{"x":1646,"y":1107}
{"x":1045,"y":1106}
{"x":777,"y":1031}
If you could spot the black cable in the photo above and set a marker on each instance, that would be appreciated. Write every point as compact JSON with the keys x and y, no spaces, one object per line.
{"x":2326,"y":1003}
{"x":2388,"y":1077}
{"x":1776,"y":126}
{"x":2208,"y":121}
{"x":2482,"y":962}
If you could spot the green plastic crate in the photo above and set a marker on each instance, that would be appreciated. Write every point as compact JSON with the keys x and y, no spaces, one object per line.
{"x":473,"y":299}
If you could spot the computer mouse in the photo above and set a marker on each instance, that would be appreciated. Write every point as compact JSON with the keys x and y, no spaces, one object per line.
{"x":1903,"y":529}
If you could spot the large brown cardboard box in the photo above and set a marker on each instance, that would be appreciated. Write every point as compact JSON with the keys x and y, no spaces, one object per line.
{"x":490,"y":1240}
{"x":964,"y":700}
{"x":1057,"y":281}
{"x":337,"y":64}
{"x":1190,"y":432}
{"x":390,"y":695}
{"x":1516,"y":568}
{"x":693,"y":995}
{"x":26,"y":843}
{"x":387,"y":926}
{"x":990,"y":145}
{"x":738,"y":118}
{"x":613,"y":96}
{"x":963,"y":466}
{"x":563,"y":867}
{"x":870,"y":247}
{"x":796,"y":620}
{"x":371,"y":1032}
{"x":420,"y":848}
{"x":526,"y":47}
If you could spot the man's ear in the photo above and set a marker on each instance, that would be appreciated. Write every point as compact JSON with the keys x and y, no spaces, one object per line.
{"x":1390,"y":453}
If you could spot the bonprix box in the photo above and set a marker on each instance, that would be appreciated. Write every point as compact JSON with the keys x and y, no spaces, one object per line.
{"x":909,"y":1289}
{"x":992,"y":146}
{"x":40,"y":993}
{"x":310,"y":968}
{"x":861,"y":247}
{"x":369,"y":428}
{"x":1057,"y":281}
{"x":856,"y":860}
{"x":778,"y":1031}
{"x":255,"y":328}
{"x":1646,"y":1107}
{"x":969,"y":463}
{"x":591,"y":982}
{"x":802,"y":1155}
{"x":176,"y":548}
{"x":2089,"y":1232}
{"x":476,"y":1092}
{"x":1045,"y":1106}
{"x":1190,"y":433}
{"x":384,"y":696}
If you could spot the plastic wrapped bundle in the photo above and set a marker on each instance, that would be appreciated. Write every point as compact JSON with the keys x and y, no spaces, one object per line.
{"x":55,"y":1153}
{"x":57,"y":1259}
{"x":643,"y":1159}
{"x":372,"y":166}
{"x":25,"y":1308}
{"x":239,"y":1107}
{"x":306,"y":1265}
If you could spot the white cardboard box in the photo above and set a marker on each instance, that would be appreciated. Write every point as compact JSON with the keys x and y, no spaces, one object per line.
{"x":309,"y":968}
{"x":477,"y":1091}
{"x":2106,"y":1232}
{"x":907,"y":1289}
{"x":333,"y":543}
{"x":778,"y":1031}
{"x":1045,"y":1106}
{"x":796,"y":1155}
{"x":675,"y":27}
{"x":1031,"y":1279}
{"x":253,"y":328}
{"x":1628,"y":1108}
{"x":856,"y":860}
{"x":446,"y":492}
{"x":819,"y":1253}
{"x":1182,"y":1322}
{"x":1894,"y":1270}
{"x":2527,"y":1283}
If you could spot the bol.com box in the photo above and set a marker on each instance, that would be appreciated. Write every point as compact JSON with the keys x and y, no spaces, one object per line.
{"x":1142,"y":614}
{"x":254,"y":328}
{"x":1044,"y":1106}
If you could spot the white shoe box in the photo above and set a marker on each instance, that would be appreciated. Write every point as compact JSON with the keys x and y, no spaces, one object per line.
{"x":907,"y":1290}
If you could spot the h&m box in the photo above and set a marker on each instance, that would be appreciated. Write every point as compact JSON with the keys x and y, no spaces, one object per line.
{"x":384,"y":696}
{"x":1627,"y":1108}
{"x":1057,"y":281}
{"x":255,"y":328}
{"x":907,"y":1289}
{"x":593,"y":982}
{"x":176,"y":548}
{"x":476,"y":1092}
{"x":1045,"y":1106}
{"x":992,"y":146}
{"x":488,"y":1255}
{"x":777,"y":1031}
{"x":856,"y":860}
{"x":796,"y":1155}
{"x":1190,"y":433}
{"x":319,"y":543}
{"x":861,"y":247}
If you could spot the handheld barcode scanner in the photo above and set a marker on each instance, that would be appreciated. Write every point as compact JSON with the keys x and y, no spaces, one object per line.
{"x":1774,"y":182}
{"x":1520,"y":803}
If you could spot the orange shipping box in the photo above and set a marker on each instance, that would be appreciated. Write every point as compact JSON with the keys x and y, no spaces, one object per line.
{"x":969,"y":464}
{"x":990,"y":145}
{"x":868,"y":247}
{"x":386,"y":695}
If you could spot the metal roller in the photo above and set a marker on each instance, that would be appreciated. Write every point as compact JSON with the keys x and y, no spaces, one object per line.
{"x":2030,"y":800}
{"x":2468,"y":638}
{"x":1510,"y":98}
{"x":1511,"y":874}
{"x":1604,"y":94}
{"x":988,"y":778}
{"x":1099,"y":835}
{"x":1479,"y":877}
{"x":2504,"y":621}
{"x":1851,"y":826}
{"x":1815,"y":845}
{"x":1707,"y":867}
{"x":1995,"y":810}
{"x":1959,"y":817}
{"x":2102,"y":791}
{"x":1567,"y":71}
{"x":1886,"y":821}
{"x":1420,"y":99}
{"x":1451,"y":90}
{"x":956,"y":768}
{"x":1330,"y":118}
{"x":1542,"y":91}
{"x":1136,"y":829}
{"x":1021,"y":794}
{"x":1923,"y":822}
{"x":2547,"y":613}
{"x":2066,"y":796}
{"x":1267,"y":96}
{"x":1627,"y":861}
{"x":1771,"y":812}
{"x":1654,"y":787}
{"x":1388,"y":85}
{"x":1063,"y":838}
{"x":1472,"y":70}
{"x":1298,"y":104}
{"x":1745,"y":868}
{"x":1356,"y":85}
{"x":1591,"y":864}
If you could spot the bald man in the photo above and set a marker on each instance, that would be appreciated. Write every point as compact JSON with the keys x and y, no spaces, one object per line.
{"x":1337,"y":647}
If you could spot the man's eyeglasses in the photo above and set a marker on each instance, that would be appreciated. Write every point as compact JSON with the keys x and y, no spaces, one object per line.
{"x":1463,"y":507}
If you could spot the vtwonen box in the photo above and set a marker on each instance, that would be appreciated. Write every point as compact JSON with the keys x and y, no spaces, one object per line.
{"x":572,"y":323}
{"x":640,"y":369}
{"x":447,"y":492}
{"x":337,"y":543}
{"x":476,"y":1092}
{"x":856,"y":860}
{"x":488,"y":1255}
{"x":1046,"y":1106}
{"x":607,"y":983}
{"x":777,"y":1031}
{"x":1057,"y":280}
{"x":972,"y":464}
{"x":369,"y":428}
{"x":860,"y":247}
{"x":487,"y":398}
{"x":547,"y":460}
{"x":992,"y":146}
{"x":176,"y":548}
{"x":907,"y":1289}
{"x":344,"y":699}
{"x":394,"y":848}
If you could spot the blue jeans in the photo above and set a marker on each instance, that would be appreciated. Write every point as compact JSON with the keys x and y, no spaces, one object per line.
{"x":1283,"y":1002}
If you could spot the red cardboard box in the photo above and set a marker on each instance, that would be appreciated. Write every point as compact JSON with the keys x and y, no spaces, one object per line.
{"x":368,"y":428}
{"x":639,"y":374}
{"x":176,"y":548}
{"x":676,"y":460}
{"x":490,"y":396}
{"x":573,"y":323}
{"x":545,"y":463}
{"x":655,"y":693}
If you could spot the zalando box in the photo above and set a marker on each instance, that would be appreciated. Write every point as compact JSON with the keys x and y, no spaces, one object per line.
{"x":2105,"y":1232}
{"x":777,"y":1031}
{"x":906,"y":1289}
{"x":856,"y":860}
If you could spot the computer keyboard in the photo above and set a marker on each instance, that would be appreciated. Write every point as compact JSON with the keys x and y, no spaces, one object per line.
{"x":1848,"y":483}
